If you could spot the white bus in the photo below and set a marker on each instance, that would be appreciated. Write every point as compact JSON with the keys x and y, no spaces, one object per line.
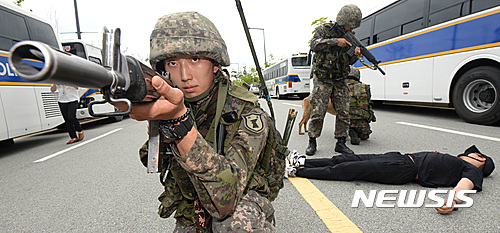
{"x":289,"y":77}
{"x":25,"y":107}
{"x":87,"y":95}
{"x":437,"y":52}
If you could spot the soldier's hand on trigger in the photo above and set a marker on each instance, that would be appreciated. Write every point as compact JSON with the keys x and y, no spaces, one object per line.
{"x":169,"y":106}
{"x":341,"y":42}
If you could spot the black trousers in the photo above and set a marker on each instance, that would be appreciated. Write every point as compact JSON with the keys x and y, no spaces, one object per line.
{"x":68,"y":111}
{"x":388,"y":168}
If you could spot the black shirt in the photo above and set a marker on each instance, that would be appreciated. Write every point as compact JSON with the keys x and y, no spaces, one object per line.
{"x":443,"y":170}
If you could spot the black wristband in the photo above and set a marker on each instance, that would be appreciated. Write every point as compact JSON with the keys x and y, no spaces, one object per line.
{"x":176,"y":132}
{"x":178,"y":119}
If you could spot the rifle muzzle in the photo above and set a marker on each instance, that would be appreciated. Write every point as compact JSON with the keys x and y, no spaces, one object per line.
{"x":36,"y":61}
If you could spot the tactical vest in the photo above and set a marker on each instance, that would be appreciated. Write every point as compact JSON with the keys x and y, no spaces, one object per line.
{"x":332,"y":63}
{"x":267,"y":178}
{"x":360,"y":107}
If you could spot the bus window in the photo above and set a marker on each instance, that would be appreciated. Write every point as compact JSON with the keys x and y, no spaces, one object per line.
{"x":479,"y":5}
{"x":363,"y":32}
{"x":449,"y":13}
{"x":386,"y":27}
{"x":391,"y":33}
{"x":75,"y":49}
{"x":437,"y":5}
{"x":5,"y":44}
{"x":413,"y":26}
{"x":299,"y":61}
{"x":41,"y":31}
{"x":95,"y":59}
{"x":13,"y":31}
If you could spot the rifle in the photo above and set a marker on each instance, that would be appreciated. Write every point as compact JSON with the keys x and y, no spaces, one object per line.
{"x":292,"y":114}
{"x":349,"y":36}
{"x":121,"y":79}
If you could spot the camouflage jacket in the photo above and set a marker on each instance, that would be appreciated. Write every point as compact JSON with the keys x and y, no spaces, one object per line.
{"x":360,"y":107}
{"x":330,"y":61}
{"x":219,"y":182}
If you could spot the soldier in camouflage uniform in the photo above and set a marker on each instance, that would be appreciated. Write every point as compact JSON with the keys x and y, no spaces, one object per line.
{"x":360,"y":110}
{"x":207,"y":190}
{"x":330,"y":68}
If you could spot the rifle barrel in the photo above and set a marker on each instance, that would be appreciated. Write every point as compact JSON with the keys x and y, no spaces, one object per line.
{"x":56,"y":66}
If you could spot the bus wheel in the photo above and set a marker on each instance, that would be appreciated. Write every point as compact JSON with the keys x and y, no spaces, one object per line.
{"x":476,"y":95}
{"x":7,"y":143}
{"x":280,"y":97}
{"x":116,"y":118}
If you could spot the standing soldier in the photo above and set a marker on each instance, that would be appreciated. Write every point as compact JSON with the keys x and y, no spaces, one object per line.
{"x":330,"y":68}
{"x":360,"y":110}
{"x":209,"y":190}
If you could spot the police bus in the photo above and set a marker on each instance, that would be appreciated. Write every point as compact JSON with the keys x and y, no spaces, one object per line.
{"x":87,"y":95}
{"x":289,"y":77}
{"x":25,"y":107}
{"x":437,"y":52}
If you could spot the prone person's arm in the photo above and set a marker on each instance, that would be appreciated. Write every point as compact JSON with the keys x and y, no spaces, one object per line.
{"x":463,"y":184}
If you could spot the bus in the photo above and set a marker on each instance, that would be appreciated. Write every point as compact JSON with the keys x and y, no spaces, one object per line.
{"x":87,"y":95}
{"x":289,"y":77}
{"x":25,"y":107}
{"x":443,"y":53}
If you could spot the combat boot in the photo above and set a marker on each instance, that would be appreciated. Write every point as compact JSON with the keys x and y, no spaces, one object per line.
{"x":311,"y":149}
{"x":341,"y":147}
{"x":355,"y":140}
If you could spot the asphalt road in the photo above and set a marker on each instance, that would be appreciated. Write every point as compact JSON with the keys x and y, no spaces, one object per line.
{"x":99,"y":185}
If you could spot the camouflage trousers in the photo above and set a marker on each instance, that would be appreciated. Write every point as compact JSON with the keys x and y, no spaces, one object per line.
{"x":254,"y":213}
{"x":338,"y":92}
{"x":362,"y":128}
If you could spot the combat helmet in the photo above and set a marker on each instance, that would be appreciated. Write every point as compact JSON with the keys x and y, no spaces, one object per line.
{"x":350,"y":16}
{"x":186,"y":34}
{"x":354,"y":74}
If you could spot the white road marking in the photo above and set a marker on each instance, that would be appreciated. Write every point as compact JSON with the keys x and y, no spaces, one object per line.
{"x":75,"y":146}
{"x":295,"y":105}
{"x":451,"y":131}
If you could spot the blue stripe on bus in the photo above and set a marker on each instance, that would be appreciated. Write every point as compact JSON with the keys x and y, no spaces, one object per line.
{"x":9,"y":77}
{"x":90,"y":92}
{"x":478,"y":32}
{"x":287,"y":78}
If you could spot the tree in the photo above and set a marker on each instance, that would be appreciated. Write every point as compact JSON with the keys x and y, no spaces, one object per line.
{"x":251,"y":76}
{"x":18,"y":2}
{"x":316,"y":23}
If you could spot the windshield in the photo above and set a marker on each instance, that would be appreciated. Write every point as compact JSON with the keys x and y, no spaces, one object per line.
{"x":300,"y":61}
{"x":75,"y":49}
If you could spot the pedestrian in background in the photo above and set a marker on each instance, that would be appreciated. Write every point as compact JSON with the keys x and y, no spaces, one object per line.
{"x":68,"y":103}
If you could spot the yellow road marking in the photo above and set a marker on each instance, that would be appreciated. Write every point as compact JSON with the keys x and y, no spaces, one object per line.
{"x":333,"y":218}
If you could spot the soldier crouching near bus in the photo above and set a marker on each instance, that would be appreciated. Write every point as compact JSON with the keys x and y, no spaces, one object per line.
{"x":331,"y":65}
{"x":360,"y":110}
{"x":209,"y":192}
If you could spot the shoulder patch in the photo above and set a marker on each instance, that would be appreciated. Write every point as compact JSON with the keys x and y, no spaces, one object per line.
{"x":253,"y":122}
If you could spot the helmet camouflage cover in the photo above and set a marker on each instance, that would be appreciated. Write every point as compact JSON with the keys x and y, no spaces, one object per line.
{"x":186,"y":34}
{"x":354,"y":73}
{"x":350,"y":16}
